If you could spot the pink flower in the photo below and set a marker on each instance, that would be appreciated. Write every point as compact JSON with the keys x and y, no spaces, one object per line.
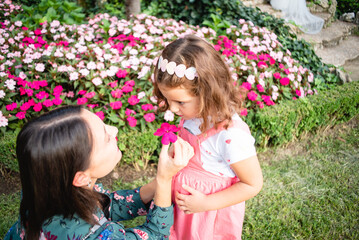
{"x":276,"y":75}
{"x":244,"y":112}
{"x":132,"y":121}
{"x":127,"y":88}
{"x":133,"y":100}
{"x":100,"y":114}
{"x":147,"y":107}
{"x":116,"y":93}
{"x":81,"y":101}
{"x":167,"y":131}
{"x":42,"y":95}
{"x":48,"y":103}
{"x":112,"y":84}
{"x":82,"y":92}
{"x":246,"y":85}
{"x":37,"y":31}
{"x":25,"y":106}
{"x":37,"y":107}
{"x":11,"y":106}
{"x":57,"y":90}
{"x":130,"y":83}
{"x":116,"y":105}
{"x":90,"y":95}
{"x":20,"y":115}
{"x":284,"y":81}
{"x":57,"y":101}
{"x":149,"y":117}
{"x":260,"y":104}
{"x":252,"y":96}
{"x":121,"y":73}
{"x":260,"y":88}
{"x":128,"y":112}
{"x":297,"y":91}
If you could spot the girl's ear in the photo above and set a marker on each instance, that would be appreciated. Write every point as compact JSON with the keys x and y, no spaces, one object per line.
{"x":81,"y":179}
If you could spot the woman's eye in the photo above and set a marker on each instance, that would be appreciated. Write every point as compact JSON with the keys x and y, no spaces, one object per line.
{"x":181,"y":103}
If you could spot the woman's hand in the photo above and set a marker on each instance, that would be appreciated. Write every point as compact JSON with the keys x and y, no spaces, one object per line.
{"x":171,"y":161}
{"x":192,"y":203}
{"x":174,"y":159}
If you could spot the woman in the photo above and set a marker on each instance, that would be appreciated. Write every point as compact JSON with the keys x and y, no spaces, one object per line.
{"x":61,"y":155}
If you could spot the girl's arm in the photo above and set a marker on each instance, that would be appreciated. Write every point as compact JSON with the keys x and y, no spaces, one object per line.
{"x":251,"y":181}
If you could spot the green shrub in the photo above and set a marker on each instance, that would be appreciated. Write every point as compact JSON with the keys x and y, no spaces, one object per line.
{"x":345,"y":6}
{"x":139,"y":148}
{"x":48,"y":10}
{"x":290,"y":120}
{"x":7,"y":152}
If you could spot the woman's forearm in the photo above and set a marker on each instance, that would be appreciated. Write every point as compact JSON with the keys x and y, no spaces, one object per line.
{"x":147,"y":192}
{"x":163,"y":192}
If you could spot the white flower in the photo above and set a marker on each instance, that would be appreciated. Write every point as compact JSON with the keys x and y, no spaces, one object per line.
{"x":153,"y":99}
{"x":70,"y":56}
{"x":169,"y":116}
{"x":251,"y":79}
{"x":97,"y":81}
{"x":112,"y":32}
{"x":10,"y":84}
{"x":40,"y":67}
{"x":2,"y":94}
{"x":141,"y":95}
{"x":3,"y":120}
{"x":84,"y":72}
{"x":18,"y":23}
{"x":55,"y":23}
{"x":74,"y":76}
{"x":91,"y":65}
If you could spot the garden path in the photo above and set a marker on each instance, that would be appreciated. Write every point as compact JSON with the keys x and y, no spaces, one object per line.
{"x":337,"y":43}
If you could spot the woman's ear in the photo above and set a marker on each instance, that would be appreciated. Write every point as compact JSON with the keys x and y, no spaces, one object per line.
{"x":81,"y":179}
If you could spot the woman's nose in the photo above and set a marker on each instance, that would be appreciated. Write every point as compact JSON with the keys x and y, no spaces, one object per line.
{"x":112,"y":130}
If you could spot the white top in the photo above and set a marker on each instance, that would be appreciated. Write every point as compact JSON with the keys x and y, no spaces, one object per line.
{"x":221,"y":150}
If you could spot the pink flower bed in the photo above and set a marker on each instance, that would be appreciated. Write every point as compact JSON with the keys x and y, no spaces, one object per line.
{"x":106,"y":66}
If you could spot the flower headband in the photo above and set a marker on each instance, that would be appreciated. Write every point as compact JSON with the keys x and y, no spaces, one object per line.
{"x":180,"y":70}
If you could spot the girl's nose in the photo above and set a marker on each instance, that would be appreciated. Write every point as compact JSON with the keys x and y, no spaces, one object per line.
{"x":173,"y":107}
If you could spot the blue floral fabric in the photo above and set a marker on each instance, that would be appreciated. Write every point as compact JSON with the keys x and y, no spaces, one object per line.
{"x":124,"y":205}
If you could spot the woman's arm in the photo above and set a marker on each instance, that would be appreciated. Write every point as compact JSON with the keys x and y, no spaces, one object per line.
{"x":251,"y":181}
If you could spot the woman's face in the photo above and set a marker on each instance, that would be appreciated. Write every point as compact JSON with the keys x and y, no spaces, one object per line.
{"x":105,"y":153}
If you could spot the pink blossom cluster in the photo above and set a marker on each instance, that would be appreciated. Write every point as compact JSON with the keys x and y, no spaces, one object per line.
{"x":110,"y":72}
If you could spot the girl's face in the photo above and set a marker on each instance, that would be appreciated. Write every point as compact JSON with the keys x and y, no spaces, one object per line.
{"x":181,"y":101}
{"x":105,"y":153}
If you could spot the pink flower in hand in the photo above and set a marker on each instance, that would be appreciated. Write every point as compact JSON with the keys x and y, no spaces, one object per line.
{"x":167,"y":131}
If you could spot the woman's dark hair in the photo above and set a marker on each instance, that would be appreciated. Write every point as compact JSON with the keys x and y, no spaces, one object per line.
{"x":219,"y":98}
{"x":50,"y":150}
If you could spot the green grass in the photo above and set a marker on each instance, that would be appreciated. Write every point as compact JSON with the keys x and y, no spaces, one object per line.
{"x":9,"y":211}
{"x":313,"y":195}
{"x":309,"y":192}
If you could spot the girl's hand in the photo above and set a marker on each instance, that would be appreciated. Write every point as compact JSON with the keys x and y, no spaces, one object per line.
{"x":173,"y":159}
{"x":192,"y":203}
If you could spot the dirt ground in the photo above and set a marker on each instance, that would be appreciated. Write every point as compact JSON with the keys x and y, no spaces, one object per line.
{"x":10,"y":181}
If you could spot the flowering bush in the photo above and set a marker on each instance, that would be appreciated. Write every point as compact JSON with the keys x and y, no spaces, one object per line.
{"x":106,"y":65}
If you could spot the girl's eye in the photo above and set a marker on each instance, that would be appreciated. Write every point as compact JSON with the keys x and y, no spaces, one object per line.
{"x":181,"y":103}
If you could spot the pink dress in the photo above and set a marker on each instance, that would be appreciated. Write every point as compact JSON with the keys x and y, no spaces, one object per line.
{"x":219,"y":224}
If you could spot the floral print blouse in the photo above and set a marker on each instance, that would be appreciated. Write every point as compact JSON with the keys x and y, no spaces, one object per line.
{"x":121,"y":205}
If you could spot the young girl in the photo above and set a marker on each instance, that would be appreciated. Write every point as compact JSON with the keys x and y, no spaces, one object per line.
{"x":61,"y":155}
{"x":192,"y":80}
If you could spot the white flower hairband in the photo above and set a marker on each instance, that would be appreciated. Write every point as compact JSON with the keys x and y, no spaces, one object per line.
{"x":180,"y":70}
